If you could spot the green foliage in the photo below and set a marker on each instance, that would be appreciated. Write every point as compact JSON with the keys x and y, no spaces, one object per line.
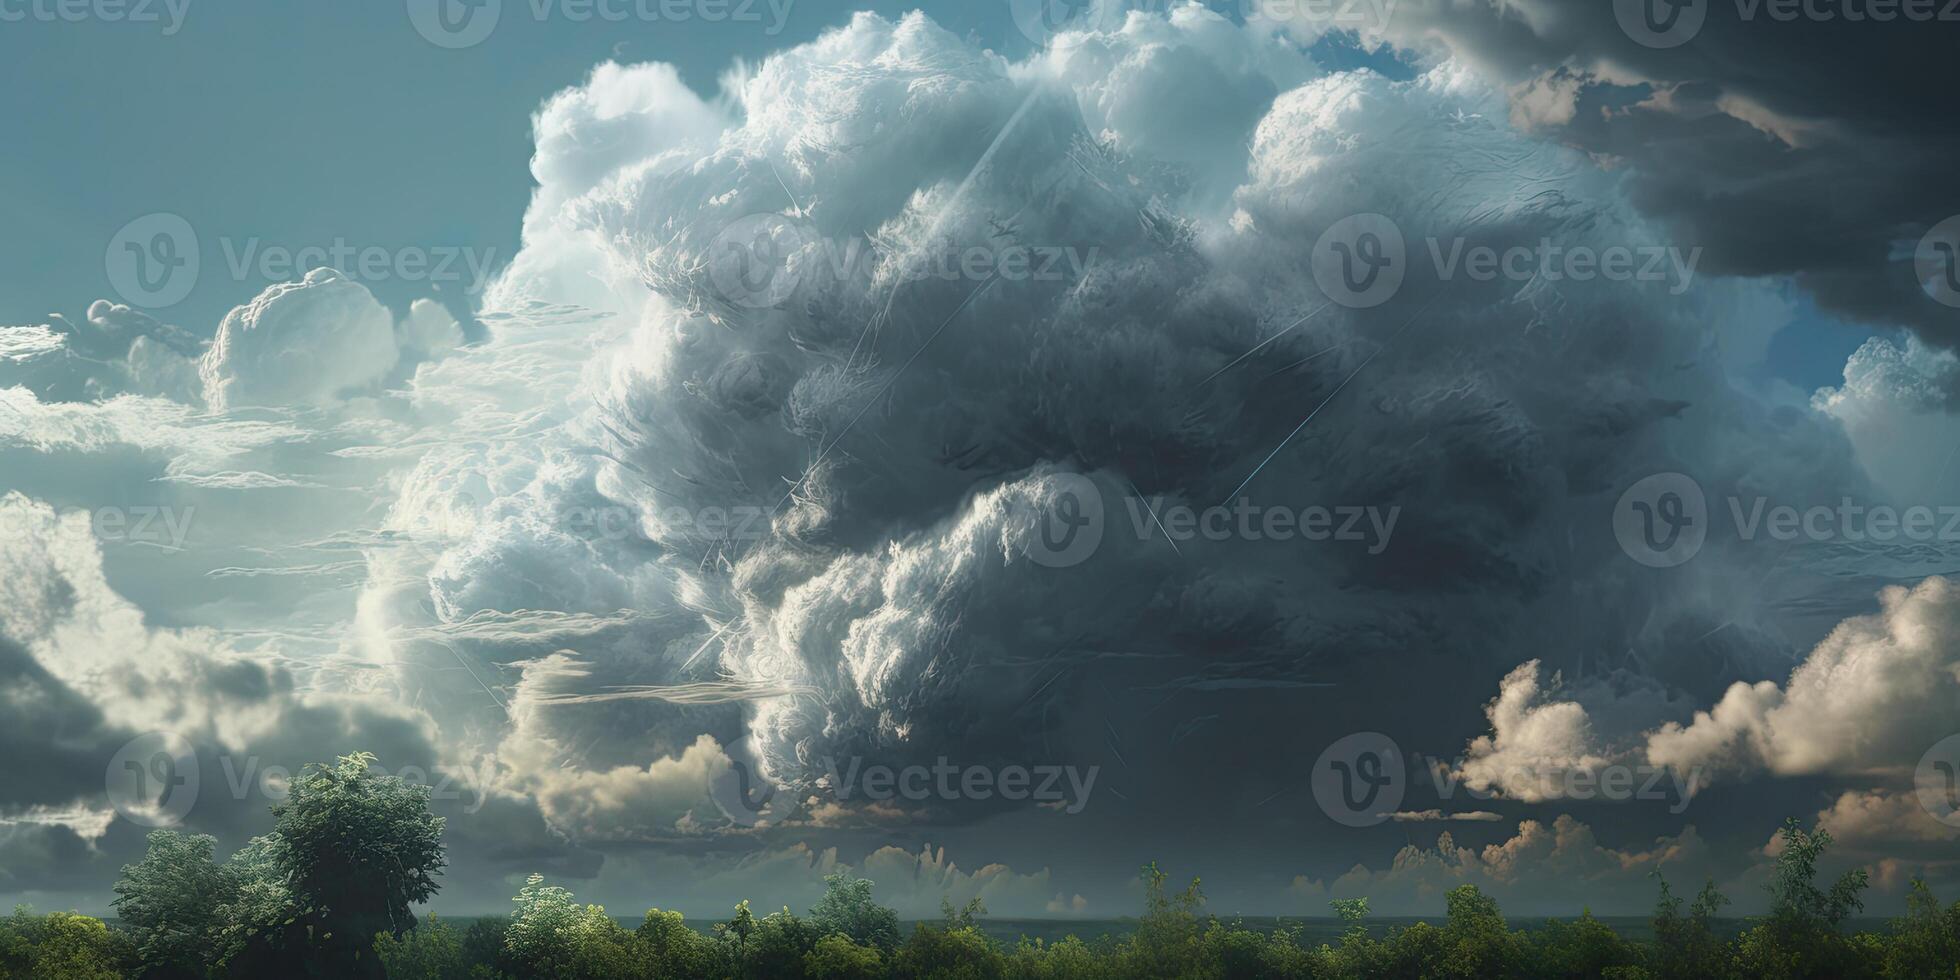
{"x":63,"y":946}
{"x":431,"y":951}
{"x":846,"y":908}
{"x":357,"y":848}
{"x":169,"y":902}
{"x":267,"y":912}
{"x":1926,"y":940}
{"x":1801,"y":936}
{"x":673,"y":949}
{"x":1686,"y":948}
{"x":837,"y":957}
{"x":552,"y":936}
{"x":949,"y":952}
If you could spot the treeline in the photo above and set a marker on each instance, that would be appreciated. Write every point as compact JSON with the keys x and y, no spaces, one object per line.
{"x":328,"y":893}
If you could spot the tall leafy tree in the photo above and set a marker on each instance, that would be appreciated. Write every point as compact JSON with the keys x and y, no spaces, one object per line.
{"x":170,"y":901}
{"x":356,"y":849}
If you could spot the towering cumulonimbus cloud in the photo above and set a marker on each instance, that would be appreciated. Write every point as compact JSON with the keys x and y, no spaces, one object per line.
{"x":903,"y":434}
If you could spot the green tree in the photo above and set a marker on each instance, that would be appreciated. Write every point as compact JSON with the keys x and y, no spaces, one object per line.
{"x":846,"y":908}
{"x":62,"y":946}
{"x":672,"y":948}
{"x":1686,"y":948}
{"x":1479,"y":943}
{"x":552,"y":936}
{"x":431,"y":951}
{"x":1800,"y":938}
{"x":1925,"y":942}
{"x":169,"y":902}
{"x":836,"y":957}
{"x":357,"y":849}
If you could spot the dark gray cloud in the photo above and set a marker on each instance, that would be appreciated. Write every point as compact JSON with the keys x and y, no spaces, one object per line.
{"x":1819,"y":149}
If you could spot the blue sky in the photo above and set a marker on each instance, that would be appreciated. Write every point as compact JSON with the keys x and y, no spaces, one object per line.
{"x":301,"y":123}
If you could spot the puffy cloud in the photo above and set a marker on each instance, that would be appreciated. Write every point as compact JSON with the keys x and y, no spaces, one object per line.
{"x":1872,"y":698}
{"x":1536,"y":742}
{"x":1896,"y":401}
{"x":1539,"y":869}
{"x":300,"y":343}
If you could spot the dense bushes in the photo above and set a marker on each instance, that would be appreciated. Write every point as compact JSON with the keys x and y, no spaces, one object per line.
{"x":328,"y":893}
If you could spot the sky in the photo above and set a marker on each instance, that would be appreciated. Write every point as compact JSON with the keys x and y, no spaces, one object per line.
{"x":988,"y":446}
